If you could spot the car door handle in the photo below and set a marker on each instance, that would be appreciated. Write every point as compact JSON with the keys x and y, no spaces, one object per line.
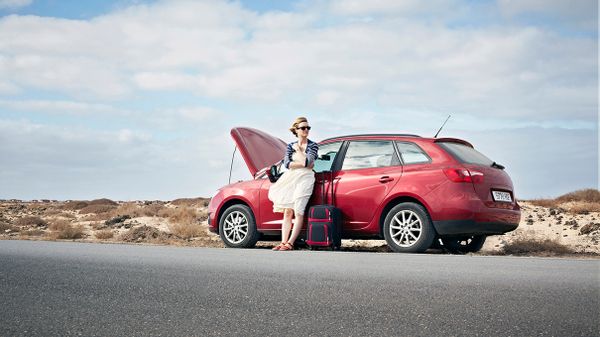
{"x":385,"y":179}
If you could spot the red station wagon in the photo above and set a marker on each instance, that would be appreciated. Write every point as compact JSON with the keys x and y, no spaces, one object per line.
{"x":414,"y":192}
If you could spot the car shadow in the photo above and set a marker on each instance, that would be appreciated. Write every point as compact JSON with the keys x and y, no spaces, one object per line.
{"x":383,"y":248}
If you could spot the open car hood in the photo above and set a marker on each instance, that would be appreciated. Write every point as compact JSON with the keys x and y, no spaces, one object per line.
{"x":259,"y":149}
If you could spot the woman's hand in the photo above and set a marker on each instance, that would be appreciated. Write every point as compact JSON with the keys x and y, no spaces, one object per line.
{"x":294,"y":165}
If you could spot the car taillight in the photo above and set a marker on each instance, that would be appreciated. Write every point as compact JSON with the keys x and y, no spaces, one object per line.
{"x":462,"y":175}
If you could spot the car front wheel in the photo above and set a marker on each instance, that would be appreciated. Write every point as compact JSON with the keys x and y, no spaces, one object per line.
{"x":408,"y":229}
{"x":237,"y":227}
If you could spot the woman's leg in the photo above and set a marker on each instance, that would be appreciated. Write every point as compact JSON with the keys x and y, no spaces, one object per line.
{"x":288,"y":213}
{"x":298,"y":222}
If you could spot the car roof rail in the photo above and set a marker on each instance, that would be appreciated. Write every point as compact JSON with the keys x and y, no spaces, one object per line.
{"x":376,"y":135}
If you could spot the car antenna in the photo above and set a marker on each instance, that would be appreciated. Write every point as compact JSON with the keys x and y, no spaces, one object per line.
{"x":231,"y":167}
{"x":442,"y":127}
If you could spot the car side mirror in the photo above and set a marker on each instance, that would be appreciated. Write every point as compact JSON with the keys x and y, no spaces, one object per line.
{"x":325,"y":157}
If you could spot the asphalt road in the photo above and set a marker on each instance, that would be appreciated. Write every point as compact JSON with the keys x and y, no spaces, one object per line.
{"x":71,"y":289}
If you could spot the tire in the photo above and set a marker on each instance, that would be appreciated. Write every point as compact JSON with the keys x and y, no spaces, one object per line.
{"x":237,"y":227}
{"x":407,"y":228}
{"x":463,"y":245}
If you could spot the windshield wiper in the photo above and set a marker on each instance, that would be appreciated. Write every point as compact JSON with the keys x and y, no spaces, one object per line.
{"x":498,"y":166}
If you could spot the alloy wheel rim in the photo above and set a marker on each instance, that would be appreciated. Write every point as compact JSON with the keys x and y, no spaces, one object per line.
{"x":235,"y":227}
{"x":405,"y":228}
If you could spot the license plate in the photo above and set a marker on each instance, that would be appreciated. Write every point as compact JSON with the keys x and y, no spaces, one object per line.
{"x":501,"y":196}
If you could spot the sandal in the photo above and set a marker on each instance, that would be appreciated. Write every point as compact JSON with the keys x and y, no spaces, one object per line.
{"x":287,"y":246}
{"x":279,"y":246}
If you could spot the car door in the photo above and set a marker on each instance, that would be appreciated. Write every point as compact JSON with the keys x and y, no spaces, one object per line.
{"x":369,"y":171}
{"x":327,"y":156}
{"x":325,"y":163}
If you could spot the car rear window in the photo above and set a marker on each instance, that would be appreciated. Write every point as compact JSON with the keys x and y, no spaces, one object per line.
{"x":466,"y":154}
{"x":411,"y":153}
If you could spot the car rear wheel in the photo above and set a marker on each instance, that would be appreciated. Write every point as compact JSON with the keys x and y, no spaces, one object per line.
{"x":407,"y":228}
{"x":237,"y":227}
{"x":463,"y":245}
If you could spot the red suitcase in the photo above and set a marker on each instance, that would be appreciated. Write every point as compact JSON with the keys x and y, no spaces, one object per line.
{"x":325,"y":223}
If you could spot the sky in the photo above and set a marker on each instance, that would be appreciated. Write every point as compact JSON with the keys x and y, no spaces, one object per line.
{"x":134,"y":100}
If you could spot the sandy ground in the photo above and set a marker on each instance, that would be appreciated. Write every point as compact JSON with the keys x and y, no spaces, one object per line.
{"x":580,"y":232}
{"x":555,"y":224}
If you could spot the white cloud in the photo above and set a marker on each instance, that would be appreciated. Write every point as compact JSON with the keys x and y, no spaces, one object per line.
{"x":45,"y":161}
{"x":164,"y":81}
{"x":221,"y":50}
{"x":197,"y":113}
{"x":129,"y":136}
{"x":7,"y":88}
{"x":13,"y":4}
{"x":71,"y":107}
{"x":579,"y":13}
{"x":388,"y":7}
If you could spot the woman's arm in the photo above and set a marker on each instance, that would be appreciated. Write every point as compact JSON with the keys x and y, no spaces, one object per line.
{"x":312,"y":151}
{"x":295,"y":165}
{"x":288,"y":156}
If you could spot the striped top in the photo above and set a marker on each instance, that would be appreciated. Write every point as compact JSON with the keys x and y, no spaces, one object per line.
{"x":312,"y":150}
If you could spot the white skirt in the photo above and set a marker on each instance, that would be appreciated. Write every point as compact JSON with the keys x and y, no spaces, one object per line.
{"x":292,"y":190}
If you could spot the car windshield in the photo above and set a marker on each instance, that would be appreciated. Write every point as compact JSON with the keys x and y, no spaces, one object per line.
{"x":466,"y":154}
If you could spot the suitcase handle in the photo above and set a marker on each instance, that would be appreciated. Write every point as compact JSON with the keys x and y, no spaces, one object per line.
{"x":323,"y":192}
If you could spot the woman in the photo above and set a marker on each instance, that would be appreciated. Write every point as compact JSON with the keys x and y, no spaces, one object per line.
{"x":292,"y":190}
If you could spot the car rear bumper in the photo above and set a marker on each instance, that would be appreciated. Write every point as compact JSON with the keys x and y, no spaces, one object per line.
{"x":472,"y":227}
{"x":460,"y":211}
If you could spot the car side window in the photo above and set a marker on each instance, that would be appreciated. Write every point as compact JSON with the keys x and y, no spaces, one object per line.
{"x":368,"y":154}
{"x":411,"y":153}
{"x":326,"y":156}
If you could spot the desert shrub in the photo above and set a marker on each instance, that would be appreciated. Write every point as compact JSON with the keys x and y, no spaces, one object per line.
{"x":70,"y":232}
{"x":144,"y":233}
{"x":186,"y":230}
{"x":191,"y":202}
{"x":96,"y":225}
{"x":551,"y":203}
{"x":534,"y":246}
{"x":67,"y":215}
{"x":5,"y":226}
{"x":31,"y":232}
{"x":131,"y":209}
{"x":181,"y":215}
{"x":202,"y":216}
{"x":97,"y":209}
{"x":152,"y":209}
{"x":116,"y":220}
{"x":34,"y":206}
{"x":582,"y":201}
{"x":74,"y":205}
{"x":58,"y":224}
{"x":587,"y":195}
{"x":31,"y":221}
{"x":97,"y":217}
{"x":585,"y":207}
{"x":103,"y":201}
{"x":104,"y":234}
{"x":51,"y":211}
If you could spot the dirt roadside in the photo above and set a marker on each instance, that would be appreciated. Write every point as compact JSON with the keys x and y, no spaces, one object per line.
{"x":182,"y":222}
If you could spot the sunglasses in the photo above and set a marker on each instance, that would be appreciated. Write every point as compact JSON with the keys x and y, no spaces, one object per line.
{"x":303,"y":128}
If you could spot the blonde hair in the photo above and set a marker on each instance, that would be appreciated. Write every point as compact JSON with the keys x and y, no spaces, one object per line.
{"x":296,"y":123}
